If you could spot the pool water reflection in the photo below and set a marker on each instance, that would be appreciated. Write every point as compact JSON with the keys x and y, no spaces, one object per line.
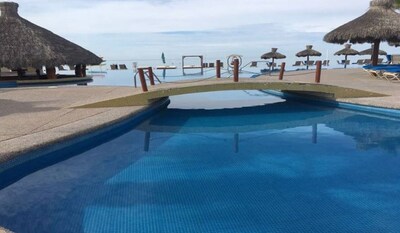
{"x":277,"y":167}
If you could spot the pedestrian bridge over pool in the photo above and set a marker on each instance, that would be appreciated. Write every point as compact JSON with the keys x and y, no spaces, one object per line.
{"x":156,"y":92}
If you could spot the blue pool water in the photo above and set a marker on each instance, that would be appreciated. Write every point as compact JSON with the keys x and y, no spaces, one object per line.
{"x":279,"y":166}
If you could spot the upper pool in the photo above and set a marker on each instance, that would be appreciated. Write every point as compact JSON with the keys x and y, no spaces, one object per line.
{"x":278,"y":166}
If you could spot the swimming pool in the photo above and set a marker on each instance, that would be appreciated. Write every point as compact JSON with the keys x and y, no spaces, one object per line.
{"x":279,"y":166}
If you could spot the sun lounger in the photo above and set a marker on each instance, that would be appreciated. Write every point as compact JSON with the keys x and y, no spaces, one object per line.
{"x":359,"y":62}
{"x":391,"y":76}
{"x":166,"y":67}
{"x":367,"y":61}
{"x":122,"y":67}
{"x":325,"y":63}
{"x":395,"y":59}
{"x":205,"y":65}
{"x":253,"y":64}
{"x":375,"y":73}
{"x":298,"y":63}
{"x":211,"y":65}
{"x":380,"y":60}
{"x":309,"y":63}
{"x":343,"y":62}
{"x":114,"y":67}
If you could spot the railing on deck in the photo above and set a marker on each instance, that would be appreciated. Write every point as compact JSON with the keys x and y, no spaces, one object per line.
{"x":236,"y":70}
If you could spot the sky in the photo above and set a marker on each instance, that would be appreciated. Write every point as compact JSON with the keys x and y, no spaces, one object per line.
{"x":142,"y":29}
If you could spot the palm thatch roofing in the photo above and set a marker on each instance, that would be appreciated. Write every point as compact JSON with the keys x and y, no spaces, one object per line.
{"x":380,"y":22}
{"x":273,"y":54}
{"x":24,"y":44}
{"x":347,"y":51}
{"x":371,"y":50}
{"x":308,"y":52}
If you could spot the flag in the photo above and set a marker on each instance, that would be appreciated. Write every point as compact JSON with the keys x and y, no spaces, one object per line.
{"x":163,"y":57}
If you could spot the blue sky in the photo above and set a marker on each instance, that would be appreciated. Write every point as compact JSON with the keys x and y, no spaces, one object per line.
{"x":143,"y":29}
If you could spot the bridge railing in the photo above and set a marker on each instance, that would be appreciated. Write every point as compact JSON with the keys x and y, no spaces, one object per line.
{"x":236,"y":70}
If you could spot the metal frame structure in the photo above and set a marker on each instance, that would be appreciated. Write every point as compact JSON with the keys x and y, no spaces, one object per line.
{"x":192,"y":66}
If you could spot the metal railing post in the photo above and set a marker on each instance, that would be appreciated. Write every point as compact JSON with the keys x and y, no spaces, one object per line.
{"x":142,"y":80}
{"x":318,"y":72}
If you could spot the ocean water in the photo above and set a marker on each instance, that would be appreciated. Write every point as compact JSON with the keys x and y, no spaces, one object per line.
{"x":266,"y":166}
{"x":103,"y":75}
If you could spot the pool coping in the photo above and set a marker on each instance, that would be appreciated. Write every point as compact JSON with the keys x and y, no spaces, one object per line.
{"x":336,"y":103}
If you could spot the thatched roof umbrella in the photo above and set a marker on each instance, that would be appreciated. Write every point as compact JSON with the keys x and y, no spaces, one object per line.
{"x":347,"y":51}
{"x":370,"y":51}
{"x":24,"y":44}
{"x":273,"y":54}
{"x":379,"y":23}
{"x":308,"y":52}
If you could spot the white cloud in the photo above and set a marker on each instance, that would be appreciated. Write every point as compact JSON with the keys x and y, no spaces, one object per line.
{"x":142,"y":29}
{"x":187,"y":15}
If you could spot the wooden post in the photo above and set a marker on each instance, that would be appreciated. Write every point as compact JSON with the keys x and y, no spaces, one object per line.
{"x":20,"y":72}
{"x":143,"y":80}
{"x":201,"y":64}
{"x":51,"y":73}
{"x":78,"y":70}
{"x":318,"y":72}
{"x":236,"y":70}
{"x":282,"y":71}
{"x":83,"y":70}
{"x":151,"y":76}
{"x":375,"y":53}
{"x":218,"y":68}
{"x":38,"y":73}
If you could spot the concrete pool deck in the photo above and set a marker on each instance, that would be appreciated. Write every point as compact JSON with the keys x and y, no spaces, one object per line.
{"x":34,"y":117}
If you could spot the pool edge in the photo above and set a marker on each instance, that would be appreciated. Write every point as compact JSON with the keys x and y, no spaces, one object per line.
{"x":33,"y":160}
{"x":338,"y":104}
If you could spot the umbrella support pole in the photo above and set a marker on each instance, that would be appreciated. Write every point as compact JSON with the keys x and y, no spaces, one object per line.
{"x":51,"y":73}
{"x":78,"y":70}
{"x":375,"y":53}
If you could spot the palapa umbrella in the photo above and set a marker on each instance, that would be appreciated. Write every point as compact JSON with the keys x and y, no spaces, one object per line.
{"x":379,"y":23}
{"x":347,"y":51}
{"x":370,"y":51}
{"x":308,"y":52}
{"x":24,"y":44}
{"x":274,"y":55}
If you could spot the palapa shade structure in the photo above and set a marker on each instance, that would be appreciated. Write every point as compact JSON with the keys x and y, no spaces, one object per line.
{"x":347,"y":51}
{"x":370,"y":51}
{"x":24,"y":44}
{"x":379,"y":23}
{"x":274,"y":55}
{"x":308,"y":52}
